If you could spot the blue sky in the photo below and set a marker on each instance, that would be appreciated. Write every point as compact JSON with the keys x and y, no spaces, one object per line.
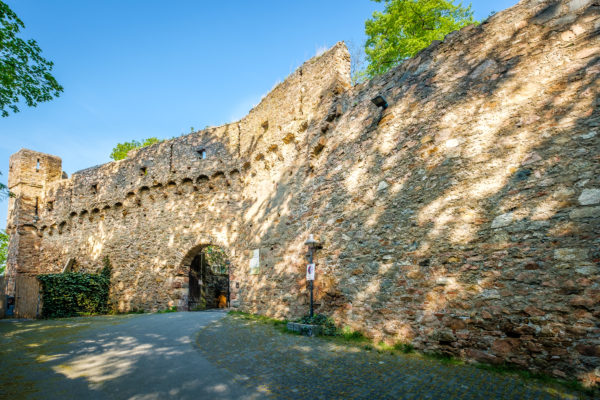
{"x":140,"y":68}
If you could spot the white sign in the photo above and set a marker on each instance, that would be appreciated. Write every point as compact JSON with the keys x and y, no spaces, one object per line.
{"x":255,"y":262}
{"x":310,"y":272}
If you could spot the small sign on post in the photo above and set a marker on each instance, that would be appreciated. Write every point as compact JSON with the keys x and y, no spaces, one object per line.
{"x":313,"y":245}
{"x":310,"y":272}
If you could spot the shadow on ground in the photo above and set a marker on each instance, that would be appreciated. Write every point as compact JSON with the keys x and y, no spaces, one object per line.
{"x":291,"y":366}
{"x":111,"y":357}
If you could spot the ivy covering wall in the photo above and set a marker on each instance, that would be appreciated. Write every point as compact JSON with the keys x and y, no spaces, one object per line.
{"x":75,"y":293}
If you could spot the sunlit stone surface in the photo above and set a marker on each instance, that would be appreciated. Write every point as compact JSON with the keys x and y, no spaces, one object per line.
{"x":411,"y":203}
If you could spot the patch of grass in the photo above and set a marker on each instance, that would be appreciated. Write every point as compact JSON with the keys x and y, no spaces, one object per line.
{"x":405,"y":348}
{"x":278,"y":324}
{"x":349,"y":335}
{"x":167,"y":310}
{"x":383,"y":347}
{"x":259,"y":318}
{"x":508,"y":369}
{"x":398,"y":347}
{"x":357,"y":338}
{"x":345,"y":334}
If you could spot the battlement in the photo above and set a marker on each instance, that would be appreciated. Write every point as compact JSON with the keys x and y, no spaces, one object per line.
{"x":194,"y":159}
{"x":32,"y":168}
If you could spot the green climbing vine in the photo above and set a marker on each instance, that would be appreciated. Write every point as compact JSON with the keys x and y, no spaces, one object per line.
{"x":216,"y":259}
{"x":75,"y":293}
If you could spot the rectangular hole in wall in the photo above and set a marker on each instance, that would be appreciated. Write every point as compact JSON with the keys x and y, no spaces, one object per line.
{"x":202,"y":153}
{"x":37,"y":165}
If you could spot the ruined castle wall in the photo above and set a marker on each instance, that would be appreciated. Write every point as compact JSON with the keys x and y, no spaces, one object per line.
{"x":28,"y":172}
{"x":149,"y":212}
{"x":464,"y":218}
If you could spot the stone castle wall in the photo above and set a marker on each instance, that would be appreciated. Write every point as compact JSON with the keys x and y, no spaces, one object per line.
{"x":464,"y":218}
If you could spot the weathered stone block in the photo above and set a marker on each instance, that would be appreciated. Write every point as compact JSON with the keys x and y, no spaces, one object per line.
{"x":570,"y":254}
{"x":589,"y":196}
{"x":505,"y":347}
{"x":582,"y":301}
{"x":482,"y":357}
{"x":590,"y":350}
{"x":502,"y":220}
{"x":585,"y":212}
{"x":575,"y":5}
{"x":304,"y":329}
{"x":382,"y":186}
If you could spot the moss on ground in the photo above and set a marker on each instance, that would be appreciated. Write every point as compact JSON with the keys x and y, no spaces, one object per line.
{"x":354,"y":338}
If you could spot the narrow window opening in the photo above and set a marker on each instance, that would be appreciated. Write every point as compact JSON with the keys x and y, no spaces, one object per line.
{"x":143,"y":171}
{"x":95,"y":188}
{"x":202,"y":153}
{"x":37,"y":166}
{"x":36,"y":206}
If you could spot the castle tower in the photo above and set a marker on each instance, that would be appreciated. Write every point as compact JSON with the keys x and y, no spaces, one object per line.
{"x":28,"y":174}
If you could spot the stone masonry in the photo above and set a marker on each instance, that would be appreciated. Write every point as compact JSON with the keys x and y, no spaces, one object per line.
{"x":464,"y":218}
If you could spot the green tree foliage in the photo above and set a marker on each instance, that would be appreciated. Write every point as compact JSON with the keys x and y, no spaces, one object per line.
{"x":405,"y":27}
{"x":216,"y":259}
{"x":121,"y":149}
{"x":3,"y":250}
{"x":24,"y":73}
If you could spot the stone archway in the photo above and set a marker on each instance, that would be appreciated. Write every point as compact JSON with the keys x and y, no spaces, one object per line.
{"x":208,"y":278}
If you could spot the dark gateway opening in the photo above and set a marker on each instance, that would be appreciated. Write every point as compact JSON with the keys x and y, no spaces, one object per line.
{"x":209,"y":280}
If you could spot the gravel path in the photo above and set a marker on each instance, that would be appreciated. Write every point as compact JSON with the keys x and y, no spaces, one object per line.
{"x":296,"y":367}
{"x":148,"y":356}
{"x":208,"y":355}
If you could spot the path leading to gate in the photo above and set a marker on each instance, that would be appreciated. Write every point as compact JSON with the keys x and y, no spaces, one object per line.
{"x":208,"y":355}
{"x":148,"y":356}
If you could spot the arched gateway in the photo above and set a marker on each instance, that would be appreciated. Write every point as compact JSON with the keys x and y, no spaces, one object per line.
{"x":208,"y":278}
